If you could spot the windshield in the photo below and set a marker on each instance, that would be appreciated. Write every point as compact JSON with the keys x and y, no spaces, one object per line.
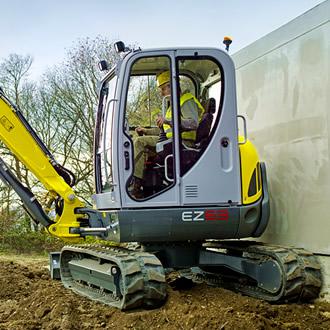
{"x":104,"y":131}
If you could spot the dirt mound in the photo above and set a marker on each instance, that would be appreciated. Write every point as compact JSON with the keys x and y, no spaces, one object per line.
{"x":29,"y":299}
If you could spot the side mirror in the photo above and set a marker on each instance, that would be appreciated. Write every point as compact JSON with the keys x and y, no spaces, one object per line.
{"x":103,"y":65}
{"x":119,"y":47}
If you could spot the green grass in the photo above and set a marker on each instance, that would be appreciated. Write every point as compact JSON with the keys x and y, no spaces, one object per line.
{"x":38,"y":242}
{"x":29,"y":242}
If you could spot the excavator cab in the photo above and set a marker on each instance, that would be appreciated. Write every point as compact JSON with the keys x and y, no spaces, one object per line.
{"x":218,"y":176}
{"x":136,"y":101}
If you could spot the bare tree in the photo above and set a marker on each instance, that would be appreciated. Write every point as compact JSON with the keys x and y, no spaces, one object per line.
{"x":71,"y":90}
{"x":13,"y":77}
{"x":61,"y":109}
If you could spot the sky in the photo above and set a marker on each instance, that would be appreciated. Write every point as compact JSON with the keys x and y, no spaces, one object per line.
{"x":46,"y":29}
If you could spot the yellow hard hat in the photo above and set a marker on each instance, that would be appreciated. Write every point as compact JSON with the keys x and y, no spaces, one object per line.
{"x":163,"y":78}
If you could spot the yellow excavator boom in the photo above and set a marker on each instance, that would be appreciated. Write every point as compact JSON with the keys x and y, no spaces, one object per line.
{"x":19,"y":138}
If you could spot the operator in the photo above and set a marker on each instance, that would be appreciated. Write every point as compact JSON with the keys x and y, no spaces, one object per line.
{"x":191,"y":113}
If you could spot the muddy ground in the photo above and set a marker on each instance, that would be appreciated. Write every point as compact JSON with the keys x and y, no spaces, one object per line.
{"x":29,"y":299}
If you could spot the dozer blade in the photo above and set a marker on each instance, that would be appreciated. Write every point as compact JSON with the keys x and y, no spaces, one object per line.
{"x":117,"y":277}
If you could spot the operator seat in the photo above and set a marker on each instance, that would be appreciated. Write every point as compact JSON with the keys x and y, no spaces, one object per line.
{"x":205,"y":124}
{"x":189,"y":155}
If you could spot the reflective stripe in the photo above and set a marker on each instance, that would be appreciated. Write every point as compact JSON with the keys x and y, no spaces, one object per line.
{"x":189,"y":135}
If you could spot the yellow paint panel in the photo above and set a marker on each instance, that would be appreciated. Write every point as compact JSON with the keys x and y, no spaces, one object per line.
{"x":249,"y":162}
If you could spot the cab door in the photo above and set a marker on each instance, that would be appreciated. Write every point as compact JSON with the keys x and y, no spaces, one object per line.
{"x":213,"y":177}
{"x":141,"y":103}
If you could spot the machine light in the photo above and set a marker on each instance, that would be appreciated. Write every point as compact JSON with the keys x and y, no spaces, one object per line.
{"x":227,"y":41}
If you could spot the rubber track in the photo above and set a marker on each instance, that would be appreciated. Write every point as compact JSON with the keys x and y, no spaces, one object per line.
{"x":301,"y":272}
{"x":142,"y":277}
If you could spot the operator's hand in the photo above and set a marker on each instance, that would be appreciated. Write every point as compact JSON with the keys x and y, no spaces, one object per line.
{"x":140,"y":130}
{"x":160,"y":121}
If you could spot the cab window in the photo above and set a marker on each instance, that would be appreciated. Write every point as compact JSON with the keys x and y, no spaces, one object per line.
{"x":199,"y":111}
{"x":148,"y":98}
{"x":149,"y":119}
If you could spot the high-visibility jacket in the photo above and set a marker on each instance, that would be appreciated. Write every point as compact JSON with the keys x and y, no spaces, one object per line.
{"x":186,"y":135}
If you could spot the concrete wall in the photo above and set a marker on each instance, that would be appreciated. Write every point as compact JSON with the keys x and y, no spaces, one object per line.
{"x":283,"y":91}
{"x":325,"y":268}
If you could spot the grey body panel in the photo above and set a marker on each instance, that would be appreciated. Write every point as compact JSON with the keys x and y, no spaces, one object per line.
{"x":107,"y":200}
{"x":174,"y":225}
{"x":184,"y":224}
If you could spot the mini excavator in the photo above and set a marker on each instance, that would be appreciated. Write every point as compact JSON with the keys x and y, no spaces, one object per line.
{"x":197,"y":202}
